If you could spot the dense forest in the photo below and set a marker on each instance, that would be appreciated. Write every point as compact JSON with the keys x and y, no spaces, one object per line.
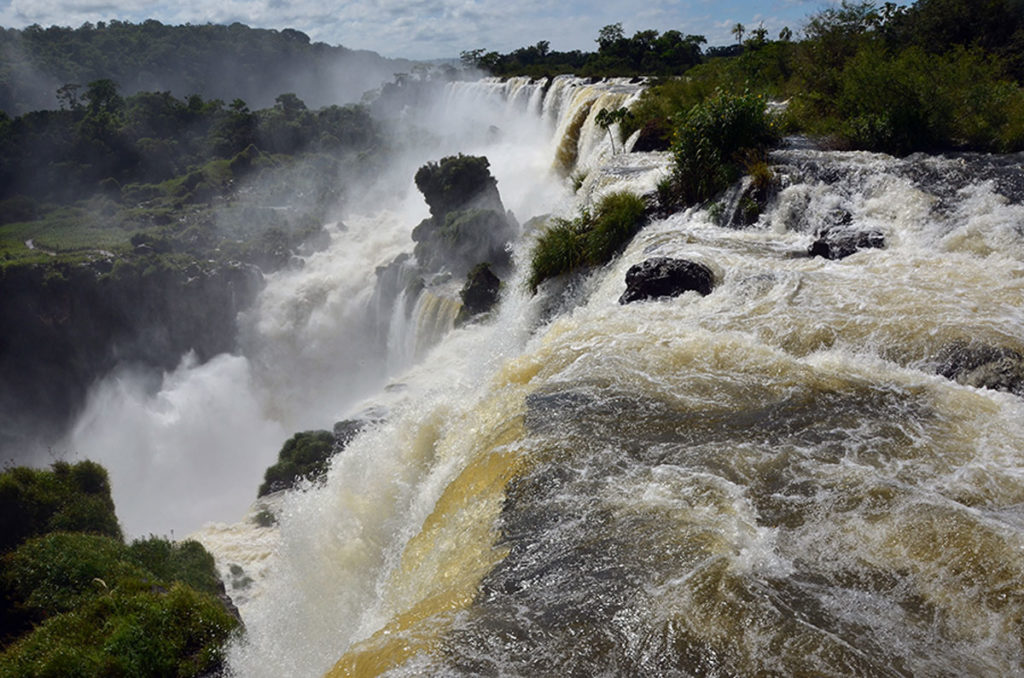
{"x":225,"y":62}
{"x":938,"y":74}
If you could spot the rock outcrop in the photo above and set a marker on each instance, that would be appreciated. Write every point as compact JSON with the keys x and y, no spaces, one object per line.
{"x":666,"y":277}
{"x":839,"y":242}
{"x":479,"y":294}
{"x":468,"y":224}
{"x":997,"y":368}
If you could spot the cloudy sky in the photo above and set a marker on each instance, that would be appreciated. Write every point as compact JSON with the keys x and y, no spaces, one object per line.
{"x":425,"y":29}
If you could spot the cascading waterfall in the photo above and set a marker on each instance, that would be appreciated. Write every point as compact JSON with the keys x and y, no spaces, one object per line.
{"x":769,"y":480}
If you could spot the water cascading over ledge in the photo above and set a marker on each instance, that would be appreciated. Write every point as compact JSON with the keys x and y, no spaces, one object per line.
{"x":769,"y":480}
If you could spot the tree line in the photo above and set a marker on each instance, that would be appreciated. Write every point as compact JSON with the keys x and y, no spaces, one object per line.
{"x":213,"y":61}
{"x":99,"y":138}
{"x":647,"y":52}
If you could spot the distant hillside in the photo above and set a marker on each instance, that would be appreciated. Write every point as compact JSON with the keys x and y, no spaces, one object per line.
{"x":216,"y":62}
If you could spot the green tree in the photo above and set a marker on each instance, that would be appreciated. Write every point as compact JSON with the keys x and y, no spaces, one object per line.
{"x":67,"y":95}
{"x":102,"y":97}
{"x":609,"y":37}
{"x":607,"y":117}
{"x":738,"y":30}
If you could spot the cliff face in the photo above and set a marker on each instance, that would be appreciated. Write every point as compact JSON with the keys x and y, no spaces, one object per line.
{"x":64,"y":326}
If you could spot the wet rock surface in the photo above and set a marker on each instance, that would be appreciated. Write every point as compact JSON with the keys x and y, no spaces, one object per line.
{"x":992,"y":367}
{"x":479,"y":294}
{"x":666,"y":277}
{"x":840,"y":242}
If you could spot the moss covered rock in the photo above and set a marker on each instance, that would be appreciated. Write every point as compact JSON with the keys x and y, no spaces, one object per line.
{"x":468,"y":224}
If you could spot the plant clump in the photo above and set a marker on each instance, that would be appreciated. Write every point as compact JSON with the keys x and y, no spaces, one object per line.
{"x":76,"y":600}
{"x":304,"y":455}
{"x":70,"y":497}
{"x":591,"y":239}
{"x":713,"y":143}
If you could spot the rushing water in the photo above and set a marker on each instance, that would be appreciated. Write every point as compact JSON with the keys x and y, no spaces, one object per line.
{"x":769,"y":480}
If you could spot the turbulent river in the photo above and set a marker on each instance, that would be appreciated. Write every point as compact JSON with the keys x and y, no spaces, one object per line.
{"x":774,"y":479}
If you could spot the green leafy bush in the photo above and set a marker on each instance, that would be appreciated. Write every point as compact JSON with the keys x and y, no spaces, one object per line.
{"x":590,"y":239}
{"x":83,"y":603}
{"x":304,"y":455}
{"x":714,"y":139}
{"x":177,"y":632}
{"x":920,"y":101}
{"x":58,"y":572}
{"x":70,"y":498}
{"x":186,"y":561}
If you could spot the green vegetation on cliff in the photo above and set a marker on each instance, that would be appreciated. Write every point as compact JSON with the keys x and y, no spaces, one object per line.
{"x":591,"y":239}
{"x":77,"y":600}
{"x":304,"y":455}
{"x":937,"y":75}
{"x":70,"y":498}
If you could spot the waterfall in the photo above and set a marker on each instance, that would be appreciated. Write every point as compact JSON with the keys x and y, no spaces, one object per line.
{"x":801,"y":473}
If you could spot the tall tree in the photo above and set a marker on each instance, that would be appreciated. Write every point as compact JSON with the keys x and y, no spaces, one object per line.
{"x":738,"y":30}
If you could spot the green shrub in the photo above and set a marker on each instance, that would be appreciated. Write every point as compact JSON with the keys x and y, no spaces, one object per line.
{"x":186,"y":561}
{"x":304,"y":455}
{"x":616,"y":219}
{"x":559,"y":249}
{"x":178,"y":632}
{"x":921,"y":101}
{"x":714,"y":140}
{"x":913,"y":100}
{"x":59,"y":571}
{"x":82,"y":603}
{"x":590,"y":239}
{"x":69,"y":497}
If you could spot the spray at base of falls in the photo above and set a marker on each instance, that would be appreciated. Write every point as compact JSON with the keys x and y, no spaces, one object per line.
{"x":770,"y":479}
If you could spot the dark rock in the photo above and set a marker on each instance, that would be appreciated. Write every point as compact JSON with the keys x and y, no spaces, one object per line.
{"x":665,"y":277}
{"x":993,"y":367}
{"x":479,"y":294}
{"x":346,"y":430}
{"x":655,"y":135}
{"x":837,"y":242}
{"x":464,"y":239}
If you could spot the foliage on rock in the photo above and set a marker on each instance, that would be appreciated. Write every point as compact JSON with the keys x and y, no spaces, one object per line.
{"x":70,"y":497}
{"x":591,"y":239}
{"x":468,"y":224}
{"x":304,"y":455}
{"x":77,"y":600}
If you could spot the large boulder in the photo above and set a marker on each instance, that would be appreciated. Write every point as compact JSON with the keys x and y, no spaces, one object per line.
{"x":666,"y":277}
{"x":840,"y":242}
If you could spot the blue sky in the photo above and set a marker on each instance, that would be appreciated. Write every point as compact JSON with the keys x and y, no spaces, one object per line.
{"x":425,"y":29}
